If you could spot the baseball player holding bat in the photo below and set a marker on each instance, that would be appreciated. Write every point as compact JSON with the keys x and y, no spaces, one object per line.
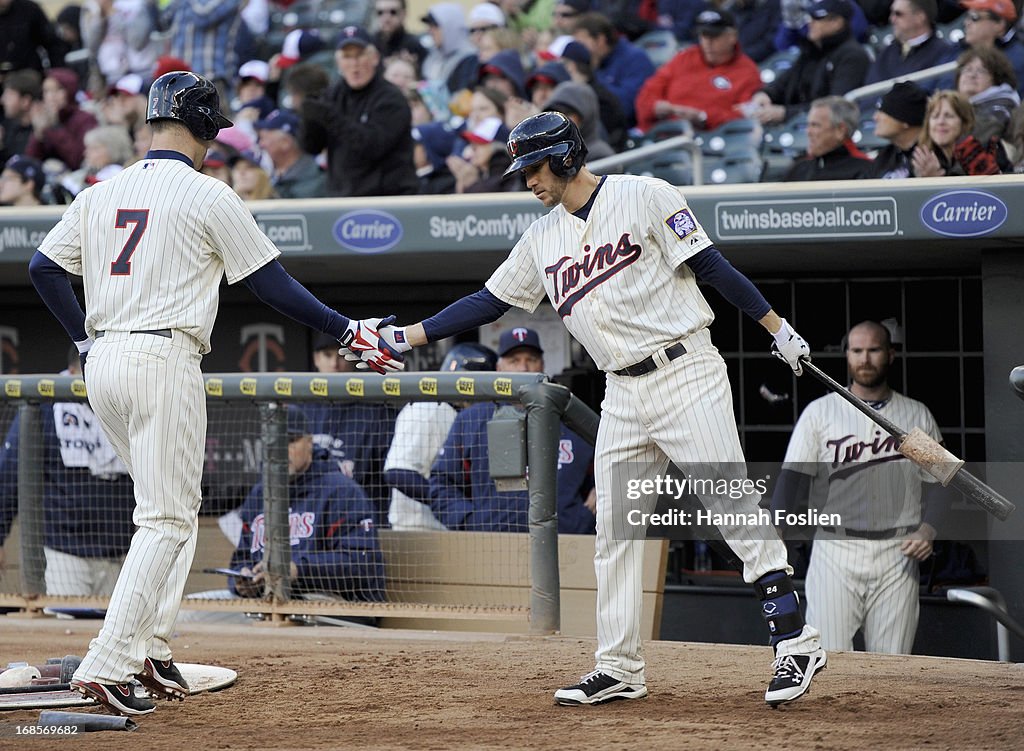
{"x":864,"y":574}
{"x":152,"y":245}
{"x":618,"y":257}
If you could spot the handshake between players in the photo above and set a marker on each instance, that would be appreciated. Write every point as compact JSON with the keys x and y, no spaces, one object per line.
{"x":377,"y":344}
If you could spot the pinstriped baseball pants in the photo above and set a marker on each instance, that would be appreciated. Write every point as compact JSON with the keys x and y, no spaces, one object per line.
{"x":148,"y":393}
{"x":681,"y":412}
{"x":869,"y":584}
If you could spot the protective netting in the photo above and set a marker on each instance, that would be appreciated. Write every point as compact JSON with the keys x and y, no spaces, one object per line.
{"x":379,"y":503}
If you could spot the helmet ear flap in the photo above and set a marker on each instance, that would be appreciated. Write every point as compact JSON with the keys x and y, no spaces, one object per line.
{"x":564,"y":167}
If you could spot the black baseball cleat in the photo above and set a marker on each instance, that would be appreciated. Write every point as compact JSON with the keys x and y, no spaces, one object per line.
{"x":118,"y":698}
{"x":598,"y":687}
{"x":792,"y":676}
{"x":163,"y":680}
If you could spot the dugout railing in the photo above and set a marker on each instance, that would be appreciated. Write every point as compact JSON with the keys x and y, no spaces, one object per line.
{"x":267,"y":397}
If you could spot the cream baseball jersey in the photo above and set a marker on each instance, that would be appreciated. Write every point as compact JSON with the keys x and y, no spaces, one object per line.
{"x":869,"y":482}
{"x":618,"y":279}
{"x":152,"y":244}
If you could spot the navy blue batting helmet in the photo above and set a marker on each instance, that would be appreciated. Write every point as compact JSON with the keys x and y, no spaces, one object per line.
{"x":551,"y":136}
{"x":469,"y":356}
{"x":191,"y":100}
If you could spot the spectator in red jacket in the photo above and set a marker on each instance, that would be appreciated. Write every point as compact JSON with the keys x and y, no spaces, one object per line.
{"x":58,"y":125}
{"x":703,"y":83}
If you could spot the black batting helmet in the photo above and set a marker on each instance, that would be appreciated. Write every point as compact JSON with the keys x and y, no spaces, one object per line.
{"x":469,"y":356}
{"x":551,"y":136}
{"x":191,"y":100}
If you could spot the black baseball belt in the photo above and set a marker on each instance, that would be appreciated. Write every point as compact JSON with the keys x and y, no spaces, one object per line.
{"x":649,"y":364}
{"x":165,"y":333}
{"x":871,"y":534}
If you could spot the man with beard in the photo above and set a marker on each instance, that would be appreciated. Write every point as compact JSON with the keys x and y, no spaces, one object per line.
{"x":863,"y":573}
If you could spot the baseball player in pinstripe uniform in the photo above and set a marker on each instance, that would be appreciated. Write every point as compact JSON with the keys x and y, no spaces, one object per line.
{"x":152,"y":245}
{"x":617,"y":257}
{"x":863,"y":574}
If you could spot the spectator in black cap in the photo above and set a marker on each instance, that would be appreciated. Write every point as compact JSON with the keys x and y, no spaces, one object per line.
{"x":21,"y":182}
{"x":899,"y":118}
{"x":703,"y":83}
{"x":22,"y":89}
{"x":915,"y":45}
{"x":294,"y":173}
{"x":363,"y":122}
{"x":831,"y":63}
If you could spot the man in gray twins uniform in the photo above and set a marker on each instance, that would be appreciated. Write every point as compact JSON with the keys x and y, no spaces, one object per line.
{"x":864,"y":574}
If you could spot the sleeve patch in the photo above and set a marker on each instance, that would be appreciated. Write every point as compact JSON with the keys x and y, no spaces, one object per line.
{"x":682,"y":223}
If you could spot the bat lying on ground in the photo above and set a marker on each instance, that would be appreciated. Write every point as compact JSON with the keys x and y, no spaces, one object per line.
{"x":924,"y":451}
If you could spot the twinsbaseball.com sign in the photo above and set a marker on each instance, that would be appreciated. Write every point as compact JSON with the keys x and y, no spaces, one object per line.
{"x":804,"y":218}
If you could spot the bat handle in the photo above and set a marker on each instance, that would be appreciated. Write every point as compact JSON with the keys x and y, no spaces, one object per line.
{"x":977,"y":491}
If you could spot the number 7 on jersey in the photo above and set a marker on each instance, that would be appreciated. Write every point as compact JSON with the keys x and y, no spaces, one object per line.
{"x":122,"y":265}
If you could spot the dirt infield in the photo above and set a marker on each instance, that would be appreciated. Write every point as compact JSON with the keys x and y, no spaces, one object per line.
{"x":328,"y":687}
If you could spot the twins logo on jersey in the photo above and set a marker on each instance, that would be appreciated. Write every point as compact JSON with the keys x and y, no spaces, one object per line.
{"x":682,"y":223}
{"x":300,"y":527}
{"x":573,"y":280}
{"x":846,"y":450}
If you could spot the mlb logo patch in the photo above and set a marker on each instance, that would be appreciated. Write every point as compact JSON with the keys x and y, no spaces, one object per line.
{"x":682,"y":223}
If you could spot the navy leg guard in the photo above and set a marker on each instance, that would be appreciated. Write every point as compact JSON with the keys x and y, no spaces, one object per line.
{"x":780,"y":606}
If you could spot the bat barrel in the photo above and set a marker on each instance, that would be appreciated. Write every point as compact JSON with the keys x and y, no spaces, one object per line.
{"x":978,"y":492}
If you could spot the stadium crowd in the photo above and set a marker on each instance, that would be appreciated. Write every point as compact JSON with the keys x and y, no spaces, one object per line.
{"x":377,"y":109}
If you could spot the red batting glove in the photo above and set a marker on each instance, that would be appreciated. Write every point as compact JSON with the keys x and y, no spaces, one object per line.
{"x":363,"y":340}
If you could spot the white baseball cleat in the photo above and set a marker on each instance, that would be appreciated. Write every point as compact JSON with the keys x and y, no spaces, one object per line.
{"x":597,"y":687}
{"x":792,"y":676}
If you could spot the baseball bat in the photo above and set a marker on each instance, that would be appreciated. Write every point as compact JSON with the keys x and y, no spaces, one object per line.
{"x":970,"y":486}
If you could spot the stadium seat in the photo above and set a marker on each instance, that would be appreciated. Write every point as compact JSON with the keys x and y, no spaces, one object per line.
{"x":879,"y":38}
{"x":666,"y":129}
{"x":952,"y":31}
{"x":776,"y":165}
{"x":775,"y":64}
{"x":660,"y":46}
{"x":734,"y":137}
{"x":789,"y":137}
{"x":729,"y":170}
